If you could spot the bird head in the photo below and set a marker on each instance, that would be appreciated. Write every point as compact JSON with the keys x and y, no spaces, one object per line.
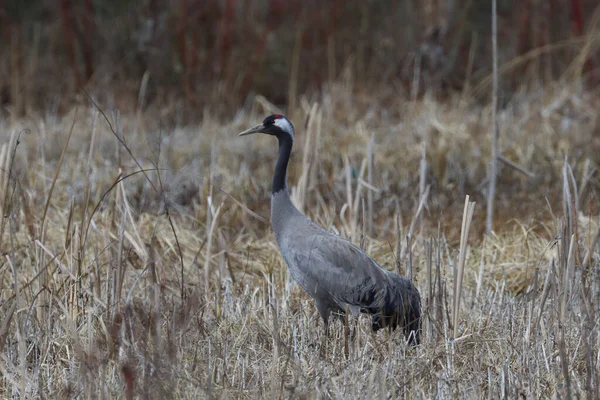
{"x":276,"y":125}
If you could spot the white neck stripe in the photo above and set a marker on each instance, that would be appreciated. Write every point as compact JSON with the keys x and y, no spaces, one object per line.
{"x":285,"y":126}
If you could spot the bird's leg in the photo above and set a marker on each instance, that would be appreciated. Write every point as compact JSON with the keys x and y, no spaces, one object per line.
{"x":325,"y":336}
{"x":324,"y":311}
{"x":346,"y":335}
{"x":323,"y":348}
{"x":354,"y":329}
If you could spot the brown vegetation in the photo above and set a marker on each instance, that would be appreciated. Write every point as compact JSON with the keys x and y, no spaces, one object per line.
{"x":137,"y":258}
{"x":179,"y":57}
{"x":103,"y":272}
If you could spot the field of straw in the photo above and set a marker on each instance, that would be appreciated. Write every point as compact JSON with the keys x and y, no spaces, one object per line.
{"x":137,"y":258}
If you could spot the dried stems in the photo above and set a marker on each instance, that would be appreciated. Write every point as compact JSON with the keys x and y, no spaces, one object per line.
{"x":493,"y":172}
{"x":462,"y":257}
{"x":108,"y":318}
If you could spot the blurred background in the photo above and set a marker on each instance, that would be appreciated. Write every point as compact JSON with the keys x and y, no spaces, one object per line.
{"x":189,"y":56}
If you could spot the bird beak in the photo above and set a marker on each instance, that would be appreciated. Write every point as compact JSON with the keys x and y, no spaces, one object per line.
{"x":257,"y":129}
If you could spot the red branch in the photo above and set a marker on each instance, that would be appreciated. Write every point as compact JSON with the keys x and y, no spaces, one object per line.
{"x":226,"y":37}
{"x":90,"y":28}
{"x":181,"y":37}
{"x":193,"y":59}
{"x":4,"y":21}
{"x":524,"y":26}
{"x":274,"y":14}
{"x":129,"y":379}
{"x":65,"y":8}
{"x":577,"y":17}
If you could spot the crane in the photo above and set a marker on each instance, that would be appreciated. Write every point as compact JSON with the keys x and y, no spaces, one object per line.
{"x":338,"y":275}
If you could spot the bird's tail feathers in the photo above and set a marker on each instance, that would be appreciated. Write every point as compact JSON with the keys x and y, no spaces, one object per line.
{"x":400,"y":306}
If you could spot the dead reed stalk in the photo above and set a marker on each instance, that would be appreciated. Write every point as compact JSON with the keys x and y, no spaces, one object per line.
{"x":462,"y":256}
{"x":493,"y":174}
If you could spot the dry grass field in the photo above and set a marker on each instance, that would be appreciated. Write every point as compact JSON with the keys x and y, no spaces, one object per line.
{"x":137,"y":259}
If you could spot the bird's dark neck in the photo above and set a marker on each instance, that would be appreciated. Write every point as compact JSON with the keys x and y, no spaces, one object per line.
{"x":285,"y":149}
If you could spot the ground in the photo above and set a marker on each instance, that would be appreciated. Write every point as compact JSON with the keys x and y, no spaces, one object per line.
{"x":138,"y":260}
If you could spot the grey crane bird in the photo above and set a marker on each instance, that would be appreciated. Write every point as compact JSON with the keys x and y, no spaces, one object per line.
{"x":338,"y":275}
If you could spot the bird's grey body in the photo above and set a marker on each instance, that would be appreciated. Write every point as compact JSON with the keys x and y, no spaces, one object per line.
{"x":338,"y":275}
{"x":335,"y":272}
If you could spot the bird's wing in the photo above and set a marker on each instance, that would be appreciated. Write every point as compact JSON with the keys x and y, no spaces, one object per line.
{"x":341,"y":269}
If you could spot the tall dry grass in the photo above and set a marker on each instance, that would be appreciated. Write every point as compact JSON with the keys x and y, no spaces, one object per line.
{"x":140,"y":262}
